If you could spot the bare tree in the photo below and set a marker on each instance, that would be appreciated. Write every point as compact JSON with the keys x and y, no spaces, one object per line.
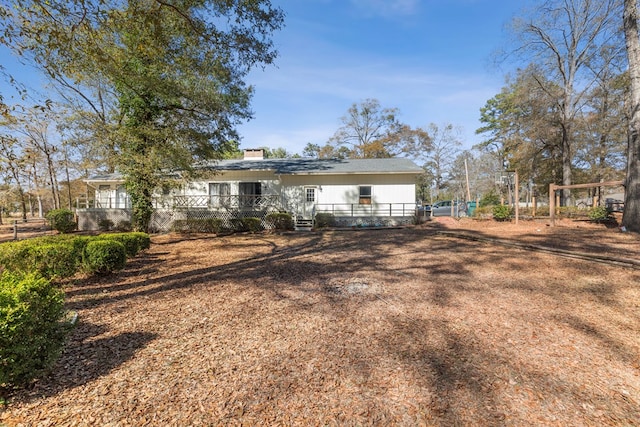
{"x":12,"y":164}
{"x":565,"y":38}
{"x":446,"y":146}
{"x":631,"y":216}
{"x":35,"y":129}
{"x":370,"y":131}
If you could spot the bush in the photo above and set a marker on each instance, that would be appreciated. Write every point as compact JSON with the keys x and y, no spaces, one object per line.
{"x":105,"y":224}
{"x":123,"y":226}
{"x":131,"y":243}
{"x":104,"y":256}
{"x":61,"y":220}
{"x":31,"y":328}
{"x":490,"y":199}
{"x":599,"y":213}
{"x":501,"y":212}
{"x":324,"y":220}
{"x":54,"y":260}
{"x":52,"y":256}
{"x":144,"y":240}
{"x":484,"y":212}
{"x":249,"y":224}
{"x":280,"y":221}
{"x":198,"y":225}
{"x":570,"y":212}
{"x":15,"y":256}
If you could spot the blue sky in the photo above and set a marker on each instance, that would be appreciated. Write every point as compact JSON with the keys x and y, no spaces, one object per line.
{"x":431,"y":59}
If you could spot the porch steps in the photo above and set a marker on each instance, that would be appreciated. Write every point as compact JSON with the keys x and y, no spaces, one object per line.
{"x":304,"y":224}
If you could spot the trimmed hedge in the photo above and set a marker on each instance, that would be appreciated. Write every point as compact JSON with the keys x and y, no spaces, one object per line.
{"x":280,"y":221}
{"x":61,"y":220}
{"x":61,"y":256}
{"x":198,"y":225}
{"x":250,"y":224}
{"x":130,"y":242}
{"x":31,"y":329}
{"x":104,"y":256}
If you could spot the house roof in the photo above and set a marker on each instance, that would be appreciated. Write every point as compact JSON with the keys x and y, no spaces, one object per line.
{"x":304,"y":166}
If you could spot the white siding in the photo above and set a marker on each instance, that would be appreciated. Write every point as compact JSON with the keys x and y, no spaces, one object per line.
{"x":344,"y":190}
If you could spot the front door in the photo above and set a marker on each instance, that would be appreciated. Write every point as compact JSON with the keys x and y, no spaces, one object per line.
{"x":309,"y":203}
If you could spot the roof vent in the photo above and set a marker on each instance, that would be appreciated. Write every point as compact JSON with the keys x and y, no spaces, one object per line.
{"x":253,"y":154}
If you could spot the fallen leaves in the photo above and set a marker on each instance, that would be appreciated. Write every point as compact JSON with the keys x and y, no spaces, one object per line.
{"x":376,"y":327}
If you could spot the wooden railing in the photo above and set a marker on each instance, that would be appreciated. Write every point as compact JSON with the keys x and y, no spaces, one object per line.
{"x":361,"y":210}
{"x":235,"y":202}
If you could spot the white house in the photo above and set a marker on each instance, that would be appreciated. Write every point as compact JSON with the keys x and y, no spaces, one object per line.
{"x":357,"y":192}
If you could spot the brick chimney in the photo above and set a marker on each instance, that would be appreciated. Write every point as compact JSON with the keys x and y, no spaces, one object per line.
{"x":253,"y":154}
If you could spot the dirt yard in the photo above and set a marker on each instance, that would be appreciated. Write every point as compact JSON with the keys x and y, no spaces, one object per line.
{"x":443,"y":324}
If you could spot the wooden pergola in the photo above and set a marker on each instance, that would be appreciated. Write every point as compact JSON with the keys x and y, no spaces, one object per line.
{"x":553,"y":188}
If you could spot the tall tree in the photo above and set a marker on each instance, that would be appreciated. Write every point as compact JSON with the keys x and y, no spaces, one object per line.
{"x":564,"y":38}
{"x":520,"y":127}
{"x":370,"y":131}
{"x":175,"y":72}
{"x":445,"y":147}
{"x":631,"y":216}
{"x":34,"y":126}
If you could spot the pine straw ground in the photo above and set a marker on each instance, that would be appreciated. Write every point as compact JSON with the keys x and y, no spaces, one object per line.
{"x":373,"y":327}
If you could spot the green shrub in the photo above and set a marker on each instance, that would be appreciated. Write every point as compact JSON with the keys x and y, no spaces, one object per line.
{"x":104,"y":256}
{"x":501,"y":212}
{"x":130,"y":242}
{"x":105,"y":224}
{"x":484,"y":212}
{"x":280,"y":221}
{"x":15,"y":256}
{"x":54,"y":260}
{"x":490,"y":199}
{"x":144,"y":240}
{"x":52,"y":256}
{"x":31,"y":328}
{"x":251,"y":224}
{"x":133,"y":242}
{"x":542,"y":211}
{"x":123,"y":226}
{"x":324,"y":220}
{"x":198,"y":225}
{"x":61,"y":220}
{"x":571,"y":212}
{"x":599,"y":213}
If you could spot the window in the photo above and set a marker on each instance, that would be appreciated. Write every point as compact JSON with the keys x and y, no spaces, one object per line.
{"x":365,"y":195}
{"x":220,"y":193}
{"x":250,"y":194}
{"x":310,"y":195}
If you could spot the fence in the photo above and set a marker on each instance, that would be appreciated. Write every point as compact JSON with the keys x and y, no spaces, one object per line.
{"x":162,"y":220}
{"x":15,"y":229}
{"x":230,"y":209}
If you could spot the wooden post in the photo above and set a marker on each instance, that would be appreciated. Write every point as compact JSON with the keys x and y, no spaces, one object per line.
{"x":466,"y":173}
{"x":552,"y":204}
{"x":533,"y":206}
{"x":517,"y":194}
{"x":15,"y":229}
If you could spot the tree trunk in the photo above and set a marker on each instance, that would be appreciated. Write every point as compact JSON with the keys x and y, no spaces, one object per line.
{"x":631,"y":216}
{"x":566,"y":165}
